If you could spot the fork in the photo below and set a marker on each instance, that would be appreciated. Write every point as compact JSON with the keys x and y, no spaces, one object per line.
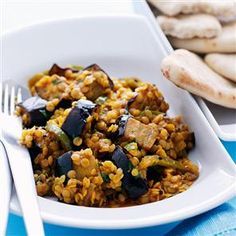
{"x":20,"y":162}
{"x":5,"y":188}
{"x":5,"y":182}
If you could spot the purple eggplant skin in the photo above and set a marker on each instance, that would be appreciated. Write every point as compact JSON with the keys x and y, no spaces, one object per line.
{"x":192,"y":139}
{"x":134,"y":186}
{"x":104,"y":156}
{"x":76,"y":120}
{"x":34,"y":151}
{"x":95,"y":67}
{"x":35,"y":107}
{"x":120,"y":160}
{"x":63,"y":164}
{"x":154,"y":173}
{"x":55,"y":69}
{"x":131,"y":100}
{"x":64,"y":103}
{"x":121,"y":122}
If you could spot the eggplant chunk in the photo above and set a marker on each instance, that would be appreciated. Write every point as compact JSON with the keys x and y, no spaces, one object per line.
{"x":144,"y":135}
{"x":154,"y":172}
{"x":34,"y":151}
{"x":76,"y":120}
{"x":134,"y":186}
{"x":100,"y":83}
{"x":95,"y":91}
{"x":35,"y":110}
{"x":190,"y":141}
{"x":154,"y":102}
{"x":121,"y":160}
{"x":132,"y":129}
{"x":121,"y":122}
{"x":95,"y":67}
{"x":55,"y":69}
{"x":63,"y":164}
{"x":64,"y":103}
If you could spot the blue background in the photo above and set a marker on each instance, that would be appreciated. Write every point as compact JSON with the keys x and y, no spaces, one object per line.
{"x":198,"y":225}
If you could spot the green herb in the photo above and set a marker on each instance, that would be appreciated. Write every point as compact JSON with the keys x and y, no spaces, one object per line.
{"x":153,"y":112}
{"x":56,"y":81}
{"x":60,"y":134}
{"x":76,"y":67}
{"x":168,"y":162}
{"x":56,"y":96}
{"x":105,"y":177}
{"x":131,"y":146}
{"x":100,"y":100}
{"x":130,"y":166}
{"x":103,"y":112}
{"x":157,"y":112}
{"x":137,"y":176}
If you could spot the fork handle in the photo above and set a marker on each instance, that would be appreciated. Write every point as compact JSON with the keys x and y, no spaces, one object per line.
{"x":5,"y":189}
{"x":22,"y":173}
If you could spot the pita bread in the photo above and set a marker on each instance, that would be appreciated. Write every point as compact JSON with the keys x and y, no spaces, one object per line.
{"x":224,"y":43}
{"x":190,"y":26}
{"x":225,"y":19}
{"x":188,"y":71}
{"x":222,"y":9}
{"x":223,"y":64}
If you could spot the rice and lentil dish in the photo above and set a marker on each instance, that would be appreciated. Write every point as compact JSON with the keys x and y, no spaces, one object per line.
{"x":102,"y":142}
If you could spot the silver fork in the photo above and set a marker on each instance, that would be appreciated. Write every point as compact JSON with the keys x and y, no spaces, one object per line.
{"x":20,"y":162}
{"x":5,"y":189}
{"x":5,"y":181}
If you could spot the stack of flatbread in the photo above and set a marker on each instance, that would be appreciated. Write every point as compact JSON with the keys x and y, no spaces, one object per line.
{"x":208,"y":28}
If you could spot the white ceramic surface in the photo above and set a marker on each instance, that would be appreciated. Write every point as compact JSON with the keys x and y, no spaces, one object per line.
{"x":123,"y":46}
{"x":26,"y":12}
{"x":221,"y":119}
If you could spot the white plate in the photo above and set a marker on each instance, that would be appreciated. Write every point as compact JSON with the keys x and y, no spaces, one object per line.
{"x":221,"y":119}
{"x":123,"y":46}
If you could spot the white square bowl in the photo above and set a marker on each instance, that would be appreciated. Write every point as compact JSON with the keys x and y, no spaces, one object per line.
{"x":123,"y":46}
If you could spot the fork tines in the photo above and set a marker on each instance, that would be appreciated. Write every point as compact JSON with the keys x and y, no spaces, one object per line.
{"x":9,"y":96}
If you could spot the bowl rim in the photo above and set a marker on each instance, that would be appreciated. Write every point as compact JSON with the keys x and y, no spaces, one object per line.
{"x":47,"y":217}
{"x":23,"y":28}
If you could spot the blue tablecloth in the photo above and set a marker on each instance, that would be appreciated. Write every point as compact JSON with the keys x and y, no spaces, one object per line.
{"x":219,"y":221}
